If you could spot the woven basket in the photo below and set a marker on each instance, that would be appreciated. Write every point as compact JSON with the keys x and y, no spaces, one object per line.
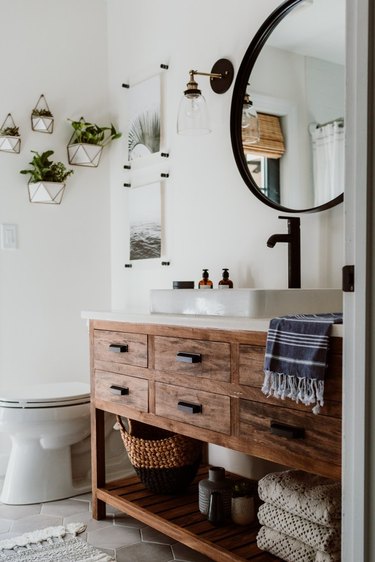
{"x":165,"y":462}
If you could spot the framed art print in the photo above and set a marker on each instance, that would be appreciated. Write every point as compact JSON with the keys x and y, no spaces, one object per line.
{"x":145,"y":221}
{"x":144,"y":118}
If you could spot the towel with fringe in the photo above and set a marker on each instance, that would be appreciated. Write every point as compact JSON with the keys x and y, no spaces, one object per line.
{"x":290,"y":549}
{"x":296,"y":357}
{"x":319,"y":537}
{"x":310,"y":496}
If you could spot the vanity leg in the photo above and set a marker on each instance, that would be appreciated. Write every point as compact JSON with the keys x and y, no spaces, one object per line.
{"x":97,"y":461}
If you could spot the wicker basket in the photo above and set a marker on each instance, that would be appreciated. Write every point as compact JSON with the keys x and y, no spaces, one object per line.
{"x":165,"y":462}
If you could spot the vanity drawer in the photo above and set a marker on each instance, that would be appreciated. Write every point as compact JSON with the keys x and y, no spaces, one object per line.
{"x":198,"y":358}
{"x":291,"y":437}
{"x":195,"y":407}
{"x":120,"y":347}
{"x":251,"y":372}
{"x":121,"y":389}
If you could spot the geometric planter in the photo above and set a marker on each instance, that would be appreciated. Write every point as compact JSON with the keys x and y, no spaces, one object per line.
{"x":42,"y":124}
{"x":82,"y":154}
{"x":10,"y":144}
{"x":10,"y":140}
{"x":46,"y":192}
{"x":41,"y":117}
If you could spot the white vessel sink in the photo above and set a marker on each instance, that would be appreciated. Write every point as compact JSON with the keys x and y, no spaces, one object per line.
{"x":250,"y":303}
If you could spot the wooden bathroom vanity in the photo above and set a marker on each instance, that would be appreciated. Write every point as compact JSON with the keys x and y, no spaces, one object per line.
{"x":138,"y":372}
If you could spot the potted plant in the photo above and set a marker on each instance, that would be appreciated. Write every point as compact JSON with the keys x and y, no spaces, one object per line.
{"x":87,"y":142}
{"x":10,"y":139}
{"x":41,"y":117}
{"x":47,"y":178}
{"x":243,"y":508}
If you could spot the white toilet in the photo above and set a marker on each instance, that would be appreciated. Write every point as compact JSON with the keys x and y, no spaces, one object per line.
{"x":43,"y":421}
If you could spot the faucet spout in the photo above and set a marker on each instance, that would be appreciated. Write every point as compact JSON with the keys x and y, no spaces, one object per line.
{"x":293,"y":239}
{"x":275,"y":238}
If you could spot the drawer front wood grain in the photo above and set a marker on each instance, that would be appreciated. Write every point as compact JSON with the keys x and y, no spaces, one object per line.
{"x":121,"y":389}
{"x":193,"y":357}
{"x":120,"y":347}
{"x":178,"y":403}
{"x":295,"y":437}
{"x":251,"y":371}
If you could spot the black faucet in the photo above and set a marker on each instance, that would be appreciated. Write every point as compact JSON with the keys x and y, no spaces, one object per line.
{"x":293,"y":239}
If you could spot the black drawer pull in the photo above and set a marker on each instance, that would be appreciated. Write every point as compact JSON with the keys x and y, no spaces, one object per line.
{"x":287,"y":430}
{"x":118,"y":348}
{"x":189,"y":357}
{"x":119,"y":390}
{"x":189,"y":408}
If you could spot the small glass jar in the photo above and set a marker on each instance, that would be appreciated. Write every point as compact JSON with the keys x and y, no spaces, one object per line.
{"x":243,"y":510}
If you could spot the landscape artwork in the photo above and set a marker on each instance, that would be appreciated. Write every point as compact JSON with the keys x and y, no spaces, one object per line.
{"x":144,"y":107}
{"x":145,"y":221}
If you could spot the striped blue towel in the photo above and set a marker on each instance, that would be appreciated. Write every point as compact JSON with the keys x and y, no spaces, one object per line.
{"x":296,"y":357}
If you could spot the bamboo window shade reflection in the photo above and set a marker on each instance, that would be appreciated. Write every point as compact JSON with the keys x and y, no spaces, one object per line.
{"x":271,"y":143}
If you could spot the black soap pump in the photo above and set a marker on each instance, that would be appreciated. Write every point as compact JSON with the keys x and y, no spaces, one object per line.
{"x":225,"y":282}
{"x":205,"y":282}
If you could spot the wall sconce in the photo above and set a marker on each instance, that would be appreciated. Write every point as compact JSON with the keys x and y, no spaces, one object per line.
{"x":193,"y":116}
{"x":250,"y":121}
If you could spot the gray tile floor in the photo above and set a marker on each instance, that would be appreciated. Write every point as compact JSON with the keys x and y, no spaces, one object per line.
{"x":123,"y":537}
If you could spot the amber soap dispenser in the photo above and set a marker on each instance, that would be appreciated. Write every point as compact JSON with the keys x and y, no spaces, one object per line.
{"x":225,"y":282}
{"x":205,"y":282}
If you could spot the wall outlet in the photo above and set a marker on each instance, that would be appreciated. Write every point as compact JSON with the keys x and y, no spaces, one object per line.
{"x":8,"y":236}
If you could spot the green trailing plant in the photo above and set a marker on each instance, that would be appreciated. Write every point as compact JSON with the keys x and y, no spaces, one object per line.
{"x":10,"y":132}
{"x":41,"y":113}
{"x":44,"y":169}
{"x":90,"y":133}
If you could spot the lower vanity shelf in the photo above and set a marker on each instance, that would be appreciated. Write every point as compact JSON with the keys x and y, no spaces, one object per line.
{"x":179,"y":518}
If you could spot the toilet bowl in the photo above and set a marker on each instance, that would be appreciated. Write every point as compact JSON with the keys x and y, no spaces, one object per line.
{"x":43,"y":421}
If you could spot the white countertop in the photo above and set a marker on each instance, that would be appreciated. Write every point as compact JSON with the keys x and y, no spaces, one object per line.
{"x":191,"y":321}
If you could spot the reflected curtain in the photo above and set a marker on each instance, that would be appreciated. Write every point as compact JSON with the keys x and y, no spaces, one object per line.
{"x":328,"y":161}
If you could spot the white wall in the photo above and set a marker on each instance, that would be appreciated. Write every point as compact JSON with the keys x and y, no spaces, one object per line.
{"x":62,"y":264}
{"x":211,"y":219}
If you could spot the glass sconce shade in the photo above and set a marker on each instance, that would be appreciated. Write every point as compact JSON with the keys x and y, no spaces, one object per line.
{"x":193,"y":118}
{"x":250,"y":121}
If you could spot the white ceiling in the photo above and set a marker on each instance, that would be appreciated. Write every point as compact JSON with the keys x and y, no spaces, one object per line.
{"x":314,"y":28}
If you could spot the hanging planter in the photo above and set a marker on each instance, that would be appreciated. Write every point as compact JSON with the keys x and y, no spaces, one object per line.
{"x":87,"y":142}
{"x":47,"y":179}
{"x":46,"y":192}
{"x":41,"y":117}
{"x":10,"y":140}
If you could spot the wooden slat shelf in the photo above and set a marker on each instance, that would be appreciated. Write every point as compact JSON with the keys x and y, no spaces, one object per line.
{"x":179,"y":518}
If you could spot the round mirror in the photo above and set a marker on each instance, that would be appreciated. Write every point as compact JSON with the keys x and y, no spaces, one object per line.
{"x":288,"y":106}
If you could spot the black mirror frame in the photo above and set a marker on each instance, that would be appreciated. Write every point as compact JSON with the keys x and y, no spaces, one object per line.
{"x":239,"y":90}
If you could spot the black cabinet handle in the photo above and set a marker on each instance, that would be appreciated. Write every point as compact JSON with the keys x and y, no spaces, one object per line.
{"x":118,"y":348}
{"x":189,"y":357}
{"x":119,"y":390}
{"x":287,"y":430}
{"x":189,"y":408}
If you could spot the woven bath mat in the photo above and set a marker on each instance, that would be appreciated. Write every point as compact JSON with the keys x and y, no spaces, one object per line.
{"x":53,"y":544}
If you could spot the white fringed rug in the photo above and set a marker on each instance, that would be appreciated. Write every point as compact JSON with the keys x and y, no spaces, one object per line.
{"x":53,"y":544}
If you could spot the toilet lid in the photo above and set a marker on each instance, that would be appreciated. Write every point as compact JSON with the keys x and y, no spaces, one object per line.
{"x":44,"y":395}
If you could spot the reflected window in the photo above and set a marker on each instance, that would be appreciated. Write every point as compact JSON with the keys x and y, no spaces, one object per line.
{"x":263,"y":157}
{"x":266,"y":174}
